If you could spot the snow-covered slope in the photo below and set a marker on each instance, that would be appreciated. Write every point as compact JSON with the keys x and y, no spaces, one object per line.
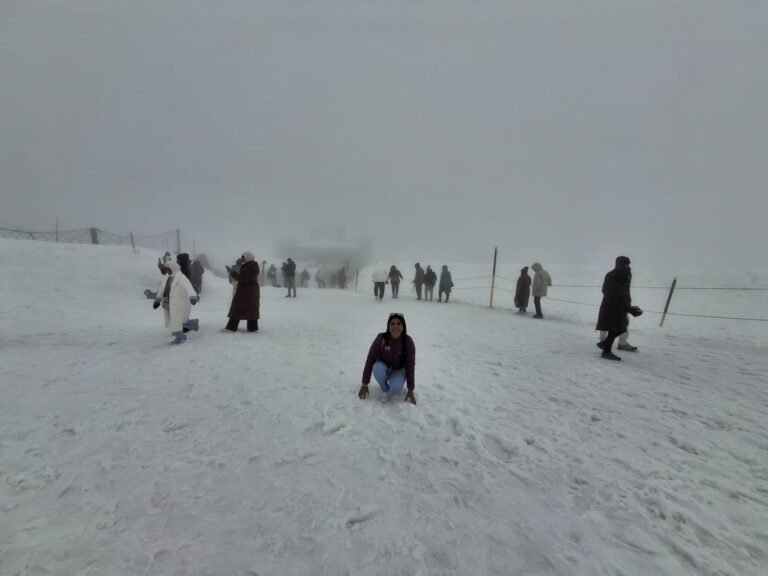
{"x":250,"y":454}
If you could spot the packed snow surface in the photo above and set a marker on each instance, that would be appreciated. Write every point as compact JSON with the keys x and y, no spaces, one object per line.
{"x":245,"y":454}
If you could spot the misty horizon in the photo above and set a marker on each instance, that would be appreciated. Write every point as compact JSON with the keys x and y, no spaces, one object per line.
{"x":438,"y":130}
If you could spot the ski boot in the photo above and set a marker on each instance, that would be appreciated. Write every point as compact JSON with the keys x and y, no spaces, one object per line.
{"x":192,"y":324}
{"x":180,"y":337}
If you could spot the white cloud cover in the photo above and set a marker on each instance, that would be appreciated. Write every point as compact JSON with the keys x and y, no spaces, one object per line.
{"x":560,"y":131}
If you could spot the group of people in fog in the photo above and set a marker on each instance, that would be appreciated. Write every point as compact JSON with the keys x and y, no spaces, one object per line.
{"x":541,"y":281}
{"x":423,"y":281}
{"x":391,"y":357}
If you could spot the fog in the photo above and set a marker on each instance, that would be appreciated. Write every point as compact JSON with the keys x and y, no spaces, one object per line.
{"x":558,"y":131}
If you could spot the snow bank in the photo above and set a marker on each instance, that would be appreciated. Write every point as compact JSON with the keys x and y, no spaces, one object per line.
{"x":251,"y":454}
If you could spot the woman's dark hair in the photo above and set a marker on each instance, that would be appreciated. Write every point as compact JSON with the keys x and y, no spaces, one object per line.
{"x":398,"y":316}
{"x":387,"y":335}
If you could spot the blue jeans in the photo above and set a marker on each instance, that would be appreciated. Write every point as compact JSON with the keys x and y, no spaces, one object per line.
{"x":389,"y":380}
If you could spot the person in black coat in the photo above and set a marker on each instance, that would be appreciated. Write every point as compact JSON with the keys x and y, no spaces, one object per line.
{"x":197,"y":276}
{"x":616,"y":303}
{"x":523,"y":291}
{"x":184,"y":263}
{"x":245,"y":303}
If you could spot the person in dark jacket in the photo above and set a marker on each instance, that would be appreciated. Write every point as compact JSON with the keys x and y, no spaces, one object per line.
{"x":197,"y":276}
{"x":182,"y":260}
{"x":615,"y":305}
{"x":446,"y":283}
{"x":392,"y":360}
{"x":290,"y":277}
{"x":523,"y":291}
{"x":430,"y":279}
{"x":272,"y":275}
{"x":245,"y":303}
{"x":394,"y":278}
{"x":305,"y":278}
{"x":418,"y":280}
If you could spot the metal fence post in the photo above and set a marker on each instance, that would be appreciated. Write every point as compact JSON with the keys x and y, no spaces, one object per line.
{"x":493,"y":278}
{"x":669,"y":299}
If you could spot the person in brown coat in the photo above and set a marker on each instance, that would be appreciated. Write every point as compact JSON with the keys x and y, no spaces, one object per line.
{"x":245,"y":303}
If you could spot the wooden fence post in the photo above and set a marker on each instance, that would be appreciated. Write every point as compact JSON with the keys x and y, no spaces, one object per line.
{"x":493,"y":278}
{"x":669,"y":299}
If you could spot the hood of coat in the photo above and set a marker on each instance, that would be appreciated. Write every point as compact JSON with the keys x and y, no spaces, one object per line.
{"x":536,"y":267}
{"x":524,"y":271}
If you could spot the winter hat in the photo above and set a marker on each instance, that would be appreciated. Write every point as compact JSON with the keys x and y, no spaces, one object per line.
{"x":622,"y":261}
{"x":524,"y":270}
{"x":445,"y":267}
{"x":248,"y":257}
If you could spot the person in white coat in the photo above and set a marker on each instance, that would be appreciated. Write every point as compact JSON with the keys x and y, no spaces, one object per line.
{"x":541,"y":281}
{"x":380,"y":278}
{"x":175,"y":296}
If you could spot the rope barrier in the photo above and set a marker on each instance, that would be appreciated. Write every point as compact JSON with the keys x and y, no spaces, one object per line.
{"x":471,"y":278}
{"x":634,"y":287}
{"x":668,"y":313}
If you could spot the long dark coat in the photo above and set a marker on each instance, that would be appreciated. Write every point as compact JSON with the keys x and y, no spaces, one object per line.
{"x":245,"y":303}
{"x":197,"y":276}
{"x":523,"y":290}
{"x":616,"y":301}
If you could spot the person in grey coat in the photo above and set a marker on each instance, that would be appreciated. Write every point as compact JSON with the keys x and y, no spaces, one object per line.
{"x":418,"y":280}
{"x":541,"y":281}
{"x":446,"y":283}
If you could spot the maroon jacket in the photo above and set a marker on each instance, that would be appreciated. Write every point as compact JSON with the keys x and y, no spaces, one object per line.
{"x":390,"y":352}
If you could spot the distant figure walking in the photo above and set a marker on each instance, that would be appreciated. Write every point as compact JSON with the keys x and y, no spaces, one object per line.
{"x":418,"y":280}
{"x":394,"y":278}
{"x":523,"y":291}
{"x":290,"y":277}
{"x":446,"y":283}
{"x":379,"y":278}
{"x":541,"y":281}
{"x":245,"y":304}
{"x":197,"y":276}
{"x":430,"y":279}
{"x":272,"y":275}
{"x":617,"y":302}
{"x":304,"y":278}
{"x":184,"y":263}
{"x":176,"y":296}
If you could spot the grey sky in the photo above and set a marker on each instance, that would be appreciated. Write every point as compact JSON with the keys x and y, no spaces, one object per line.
{"x":560,"y":131}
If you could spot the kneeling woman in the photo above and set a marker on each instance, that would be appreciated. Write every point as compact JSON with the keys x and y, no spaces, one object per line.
{"x":392,"y":359}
